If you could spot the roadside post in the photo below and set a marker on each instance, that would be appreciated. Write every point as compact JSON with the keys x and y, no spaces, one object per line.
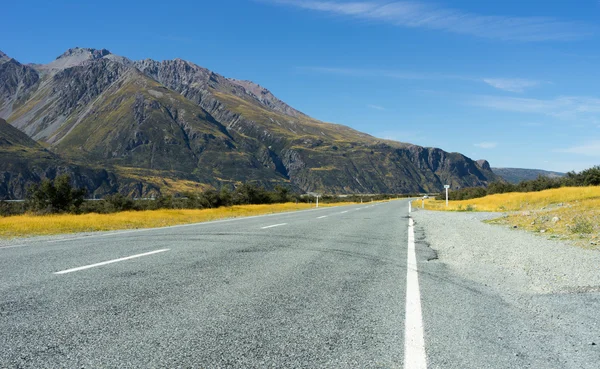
{"x":446,"y":187}
{"x":317,"y":200}
{"x":423,"y":203}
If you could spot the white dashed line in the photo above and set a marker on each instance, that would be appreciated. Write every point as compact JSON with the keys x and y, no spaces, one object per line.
{"x":110,"y":262}
{"x":324,"y":216}
{"x":274,"y":225}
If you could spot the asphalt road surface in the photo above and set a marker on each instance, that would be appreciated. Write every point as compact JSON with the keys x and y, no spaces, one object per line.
{"x":336,"y":287}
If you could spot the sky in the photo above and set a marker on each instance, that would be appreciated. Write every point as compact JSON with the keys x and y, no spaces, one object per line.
{"x":515,"y":82}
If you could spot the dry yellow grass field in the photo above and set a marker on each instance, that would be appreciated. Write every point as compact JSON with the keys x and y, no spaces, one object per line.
{"x":571,"y":213}
{"x":33,"y":225}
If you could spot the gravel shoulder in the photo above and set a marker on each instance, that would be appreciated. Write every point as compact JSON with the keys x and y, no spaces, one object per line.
{"x":505,"y":259}
{"x":535,"y":297}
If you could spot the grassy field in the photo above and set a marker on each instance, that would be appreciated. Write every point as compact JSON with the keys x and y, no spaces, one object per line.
{"x":32,"y":225}
{"x":571,"y":213}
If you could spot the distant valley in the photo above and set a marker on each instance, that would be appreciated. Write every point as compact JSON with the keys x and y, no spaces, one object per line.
{"x":146,"y":127}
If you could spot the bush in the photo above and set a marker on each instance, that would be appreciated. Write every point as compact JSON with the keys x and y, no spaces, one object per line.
{"x":118,"y":202}
{"x":55,"y":196}
{"x":588,"y":177}
{"x":582,"y":225}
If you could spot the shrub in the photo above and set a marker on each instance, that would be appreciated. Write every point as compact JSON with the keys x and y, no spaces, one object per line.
{"x":582,"y":225}
{"x":55,"y":196}
{"x":118,"y":202}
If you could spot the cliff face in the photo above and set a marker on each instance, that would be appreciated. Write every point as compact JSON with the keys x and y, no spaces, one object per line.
{"x":149,"y":121}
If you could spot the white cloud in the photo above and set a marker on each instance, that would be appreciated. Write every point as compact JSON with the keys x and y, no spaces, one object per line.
{"x":506,"y":84}
{"x":511,"y":84}
{"x":565,"y":107}
{"x":376,"y":107}
{"x":486,"y":145}
{"x":533,"y":124}
{"x":591,"y":148}
{"x":414,"y":14}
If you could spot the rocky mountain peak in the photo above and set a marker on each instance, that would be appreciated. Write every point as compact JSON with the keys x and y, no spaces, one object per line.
{"x":87,"y":52}
{"x":3,"y":57}
{"x":76,"y":56}
{"x":484,"y":164}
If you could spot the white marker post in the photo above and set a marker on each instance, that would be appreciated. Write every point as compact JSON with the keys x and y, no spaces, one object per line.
{"x":317,"y":200}
{"x":446,"y":187}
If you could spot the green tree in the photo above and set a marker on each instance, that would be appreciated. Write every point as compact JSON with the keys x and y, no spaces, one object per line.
{"x":55,"y":196}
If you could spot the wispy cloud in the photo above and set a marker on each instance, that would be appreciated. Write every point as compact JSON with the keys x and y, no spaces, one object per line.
{"x":486,"y":145}
{"x":376,"y":107}
{"x":591,"y":148}
{"x":414,"y":14}
{"x":517,"y":85}
{"x":365,"y":72}
{"x":566,"y":107}
{"x":511,"y":84}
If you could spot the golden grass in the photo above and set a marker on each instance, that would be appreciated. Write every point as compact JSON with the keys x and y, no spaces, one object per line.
{"x":576,"y":208}
{"x":32,"y":225}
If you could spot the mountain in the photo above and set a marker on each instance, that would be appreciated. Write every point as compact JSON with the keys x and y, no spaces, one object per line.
{"x":516,"y":175}
{"x":25,"y":162}
{"x":177,"y":126}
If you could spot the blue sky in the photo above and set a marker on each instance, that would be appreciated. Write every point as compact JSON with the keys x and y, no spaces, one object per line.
{"x":514,"y":82}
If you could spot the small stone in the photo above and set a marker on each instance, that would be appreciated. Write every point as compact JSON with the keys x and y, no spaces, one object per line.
{"x":592,"y":343}
{"x":532,"y":223}
{"x":555,"y":219}
{"x":593,"y":243}
{"x":560,"y":204}
{"x":515,"y":226}
{"x":526,"y":213}
{"x":542,"y":231}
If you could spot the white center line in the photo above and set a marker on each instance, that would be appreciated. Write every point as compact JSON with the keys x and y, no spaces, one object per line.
{"x":343,"y":212}
{"x":414,"y":343}
{"x":109,"y":262}
{"x":324,"y":216}
{"x":274,"y":225}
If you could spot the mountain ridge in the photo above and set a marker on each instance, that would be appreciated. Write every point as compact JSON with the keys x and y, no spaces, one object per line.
{"x":516,"y":175}
{"x":181,"y":121}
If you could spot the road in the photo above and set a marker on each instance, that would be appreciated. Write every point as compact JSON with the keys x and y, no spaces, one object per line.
{"x":326,"y":288}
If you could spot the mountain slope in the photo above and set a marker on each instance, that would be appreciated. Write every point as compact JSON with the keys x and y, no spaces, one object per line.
{"x":516,"y":175}
{"x":318,"y":155}
{"x":24,"y":162}
{"x":176,"y":120}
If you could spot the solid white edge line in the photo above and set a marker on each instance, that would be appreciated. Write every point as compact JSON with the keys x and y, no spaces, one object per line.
{"x":414,"y":342}
{"x":274,"y":225}
{"x":109,"y":262}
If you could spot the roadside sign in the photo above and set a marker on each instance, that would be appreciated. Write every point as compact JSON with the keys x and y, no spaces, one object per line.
{"x":446,"y":186}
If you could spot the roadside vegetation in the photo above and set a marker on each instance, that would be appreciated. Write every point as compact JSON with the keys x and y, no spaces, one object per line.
{"x":570,"y":213}
{"x":56,"y":207}
{"x":36,"y":225}
{"x":588,"y":177}
{"x":60,"y":197}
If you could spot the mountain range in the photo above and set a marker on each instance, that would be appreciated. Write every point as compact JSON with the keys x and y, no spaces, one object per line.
{"x":148,"y":127}
{"x":516,"y":175}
